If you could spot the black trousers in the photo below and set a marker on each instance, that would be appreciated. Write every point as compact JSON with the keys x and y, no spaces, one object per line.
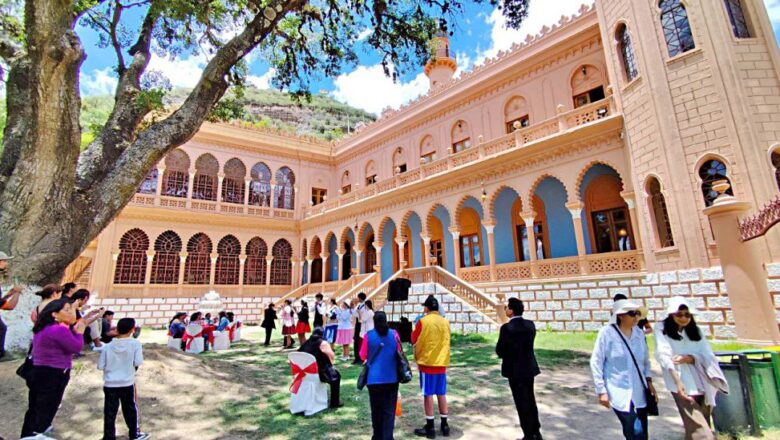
{"x":335,"y":388}
{"x":357,"y":342}
{"x":115,"y":396}
{"x":383,"y":398}
{"x":46,"y":387}
{"x":525,"y":402}
{"x":3,"y":331}
{"x":268,"y":332}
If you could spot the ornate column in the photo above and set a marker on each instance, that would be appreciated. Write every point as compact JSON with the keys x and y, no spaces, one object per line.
{"x":426,"y":251}
{"x":268,"y":260}
{"x":401,"y":242}
{"x":340,"y":256}
{"x":308,"y":270}
{"x":114,"y":258}
{"x":158,"y":190}
{"x":456,"y":244}
{"x":220,"y":179}
{"x":575,"y":208}
{"x":630,"y":199}
{"x":378,"y":265}
{"x":273,"y":202}
{"x":358,"y":260}
{"x":213,"y":268}
{"x":528,"y":218}
{"x":241,"y":264}
{"x":247,"y":187}
{"x":489,"y":227}
{"x":325,"y":270}
{"x":182,"y":263}
{"x":149,"y":260}
{"x":190,"y":184}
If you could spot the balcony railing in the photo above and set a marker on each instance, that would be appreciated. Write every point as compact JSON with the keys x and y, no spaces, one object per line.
{"x":594,"y":264}
{"x":562,"y":123}
{"x":151,"y":200}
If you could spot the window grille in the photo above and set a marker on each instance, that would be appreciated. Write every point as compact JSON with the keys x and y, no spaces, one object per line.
{"x":228,"y":261}
{"x":676,"y":27}
{"x":149,"y":184}
{"x":131,"y":263}
{"x":197,"y":267}
{"x":260,"y":188}
{"x":739,"y":23}
{"x":663,"y":226}
{"x":711,"y":172}
{"x":255,"y":265}
{"x":285,"y":192}
{"x":627,"y":54}
{"x":281,"y":266}
{"x":166,"y":262}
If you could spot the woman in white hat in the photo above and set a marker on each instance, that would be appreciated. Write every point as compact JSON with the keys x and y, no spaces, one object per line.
{"x":685,"y":356}
{"x":620,"y":364}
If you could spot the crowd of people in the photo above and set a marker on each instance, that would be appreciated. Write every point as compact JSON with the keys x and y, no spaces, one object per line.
{"x":64,"y":325}
{"x":223,"y":322}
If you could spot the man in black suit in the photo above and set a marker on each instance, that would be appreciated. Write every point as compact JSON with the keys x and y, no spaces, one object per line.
{"x":518,"y":364}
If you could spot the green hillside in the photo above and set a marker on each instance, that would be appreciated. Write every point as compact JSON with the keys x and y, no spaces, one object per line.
{"x":322,"y":117}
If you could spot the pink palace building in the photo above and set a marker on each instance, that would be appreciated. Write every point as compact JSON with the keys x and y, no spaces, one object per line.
{"x":573,"y":167}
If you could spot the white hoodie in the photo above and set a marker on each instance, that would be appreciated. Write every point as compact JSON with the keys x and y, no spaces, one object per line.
{"x":118,"y":360}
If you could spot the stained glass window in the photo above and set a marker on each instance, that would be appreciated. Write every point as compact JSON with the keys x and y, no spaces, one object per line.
{"x":739,"y":24}
{"x":627,"y":54}
{"x":255,"y":265}
{"x":131,"y":263}
{"x":711,"y":172}
{"x":228,"y":262}
{"x":676,"y":27}
{"x":197,"y":267}
{"x":281,"y":266}
{"x":166,"y":262}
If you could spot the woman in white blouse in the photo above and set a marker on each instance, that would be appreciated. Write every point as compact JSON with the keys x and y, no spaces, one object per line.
{"x":620,"y":382}
{"x":680,"y":348}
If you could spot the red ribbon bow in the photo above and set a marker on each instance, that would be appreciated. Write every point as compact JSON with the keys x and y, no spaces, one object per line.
{"x":299,"y":374}
{"x":231,"y":329}
{"x":189,"y":338}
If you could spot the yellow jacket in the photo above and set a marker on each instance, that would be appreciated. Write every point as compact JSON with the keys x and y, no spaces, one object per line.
{"x":432,"y":348}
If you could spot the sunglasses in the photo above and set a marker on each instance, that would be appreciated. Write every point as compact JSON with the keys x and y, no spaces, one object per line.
{"x":633,"y":313}
{"x":683,"y":315}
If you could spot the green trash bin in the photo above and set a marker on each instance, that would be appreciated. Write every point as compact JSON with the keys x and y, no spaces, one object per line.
{"x":764,"y":373}
{"x":735,"y":412}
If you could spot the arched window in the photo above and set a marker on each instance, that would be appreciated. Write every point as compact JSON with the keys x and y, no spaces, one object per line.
{"x":165,"y":266}
{"x":197,"y":267}
{"x":710,"y":172}
{"x":461,"y":136}
{"x":228,"y":263}
{"x":399,"y":161}
{"x":427,"y":150}
{"x":676,"y":27}
{"x":149,"y":184}
{"x":255,"y":265}
{"x":260,"y":188}
{"x":627,"y":53}
{"x":587,"y":85}
{"x":370,"y":173}
{"x":205,"y":186}
{"x":281,"y":266}
{"x":285,"y":188}
{"x":346,"y":186}
{"x":776,"y":164}
{"x":233,"y":183}
{"x":737,"y":18}
{"x":516,"y":112}
{"x":177,"y":174}
{"x":663,"y":227}
{"x":131,"y":263}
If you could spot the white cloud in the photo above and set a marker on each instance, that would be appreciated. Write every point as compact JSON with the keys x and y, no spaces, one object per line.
{"x":368,"y":88}
{"x":364,"y":34}
{"x":181,"y":72}
{"x":540,"y":14}
{"x":99,"y":82}
{"x":263,"y":81}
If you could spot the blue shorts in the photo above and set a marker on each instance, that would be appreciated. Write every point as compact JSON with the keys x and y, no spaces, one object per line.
{"x":433,"y":384}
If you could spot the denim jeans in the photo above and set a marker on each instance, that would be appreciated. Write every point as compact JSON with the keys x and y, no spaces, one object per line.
{"x":634,"y":423}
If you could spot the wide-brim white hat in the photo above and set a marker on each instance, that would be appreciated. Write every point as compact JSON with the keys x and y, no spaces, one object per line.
{"x":678,"y":301}
{"x":5,"y":257}
{"x":621,"y":307}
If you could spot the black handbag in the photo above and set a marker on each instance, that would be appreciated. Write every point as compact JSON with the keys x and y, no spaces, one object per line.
{"x":362,"y":379}
{"x":25,"y":370}
{"x":650,"y":398}
{"x":402,"y":366}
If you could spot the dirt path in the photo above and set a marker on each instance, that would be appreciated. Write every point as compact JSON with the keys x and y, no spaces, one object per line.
{"x":183,"y":397}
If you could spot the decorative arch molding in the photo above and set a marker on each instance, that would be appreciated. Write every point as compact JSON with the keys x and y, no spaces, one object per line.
{"x":363,"y":231}
{"x":461,"y":205}
{"x":541,"y":179}
{"x":326,"y":242}
{"x":315,"y":243}
{"x":581,"y":176}
{"x":430,"y":214}
{"x":404,"y":223}
{"x":343,"y":238}
{"x":304,"y":249}
{"x":382,"y":224}
{"x":490,"y":212}
{"x":592,"y":78}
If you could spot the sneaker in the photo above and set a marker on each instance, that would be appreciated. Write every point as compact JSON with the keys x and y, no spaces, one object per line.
{"x":142,"y":436}
{"x":445,"y":429}
{"x":425,"y":432}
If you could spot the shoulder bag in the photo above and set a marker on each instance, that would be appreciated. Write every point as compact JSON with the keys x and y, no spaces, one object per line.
{"x":402,"y":365}
{"x":25,"y":370}
{"x":652,"y":403}
{"x":363,"y":377}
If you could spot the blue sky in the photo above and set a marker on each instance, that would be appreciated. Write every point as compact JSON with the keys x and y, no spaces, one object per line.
{"x":480,"y":33}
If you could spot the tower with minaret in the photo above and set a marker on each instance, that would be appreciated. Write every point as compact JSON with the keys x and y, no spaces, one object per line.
{"x":698,"y":84}
{"x":441,"y":67}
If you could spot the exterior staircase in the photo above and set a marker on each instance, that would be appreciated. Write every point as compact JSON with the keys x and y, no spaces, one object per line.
{"x":491,"y":309}
{"x":310,"y":289}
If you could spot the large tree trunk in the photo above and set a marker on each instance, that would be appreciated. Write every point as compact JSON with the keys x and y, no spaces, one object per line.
{"x":43,"y":137}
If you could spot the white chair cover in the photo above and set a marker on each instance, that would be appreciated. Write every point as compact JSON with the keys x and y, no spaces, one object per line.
{"x":312,"y":396}
{"x":175,"y":343}
{"x":196,"y":346}
{"x":237,"y":331}
{"x":221,"y":340}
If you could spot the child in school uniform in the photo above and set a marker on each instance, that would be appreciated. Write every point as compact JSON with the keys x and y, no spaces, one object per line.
{"x":119,"y":361}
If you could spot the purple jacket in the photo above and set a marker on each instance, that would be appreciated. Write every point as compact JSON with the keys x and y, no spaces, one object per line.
{"x":55,"y":345}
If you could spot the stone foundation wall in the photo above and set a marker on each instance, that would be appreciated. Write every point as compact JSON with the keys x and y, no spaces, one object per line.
{"x":585,"y":305}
